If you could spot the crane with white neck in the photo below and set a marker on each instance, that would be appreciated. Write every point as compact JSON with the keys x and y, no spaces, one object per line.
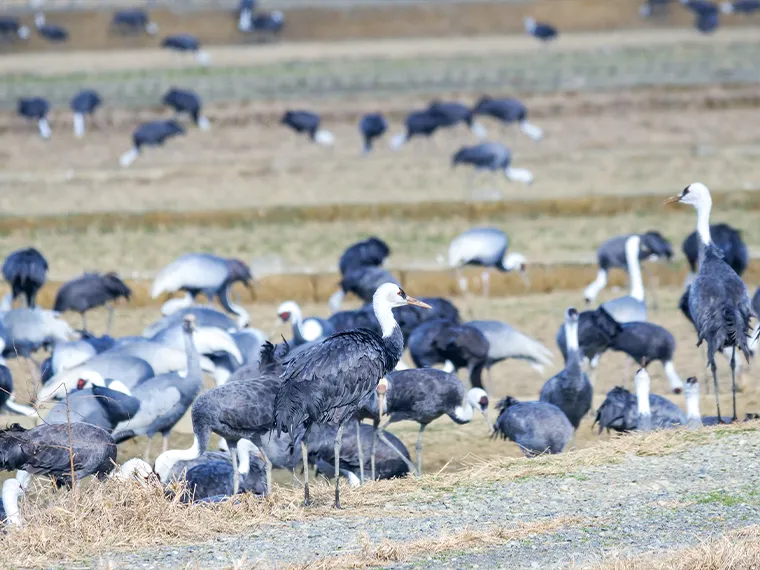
{"x":631,"y":307}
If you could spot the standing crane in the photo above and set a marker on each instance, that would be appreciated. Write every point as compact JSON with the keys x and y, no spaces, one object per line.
{"x":491,"y":156}
{"x":25,"y":270}
{"x":328,"y":382}
{"x":89,"y":291}
{"x":372,"y":126}
{"x":719,"y":301}
{"x":630,"y":307}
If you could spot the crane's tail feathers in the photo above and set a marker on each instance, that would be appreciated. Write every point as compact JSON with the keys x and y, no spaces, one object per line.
{"x":78,"y":125}
{"x":534,"y":132}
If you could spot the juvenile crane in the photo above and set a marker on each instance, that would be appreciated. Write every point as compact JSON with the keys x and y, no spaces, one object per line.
{"x":328,"y":382}
{"x":719,"y":301}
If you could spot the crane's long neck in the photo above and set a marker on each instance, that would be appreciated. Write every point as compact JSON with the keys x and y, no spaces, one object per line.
{"x":392,"y":337}
{"x":704,"y":206}
{"x":296,"y":319}
{"x":634,"y":269}
{"x":10,"y":502}
{"x":193,"y":358}
{"x":168,"y":459}
{"x":571,"y":342}
{"x":463,"y":414}
{"x":692,"y":405}
{"x":225,"y":298}
{"x":642,"y":396}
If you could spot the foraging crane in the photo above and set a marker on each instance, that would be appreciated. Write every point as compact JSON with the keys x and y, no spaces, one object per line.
{"x":242,"y":408}
{"x":621,"y":411}
{"x":214,"y":480}
{"x":611,"y":254}
{"x":740,"y":7}
{"x":9,"y":513}
{"x":46,"y":450}
{"x":211,"y":275}
{"x":133,"y":21}
{"x":84,"y":103}
{"x":539,"y":30}
{"x":694,"y":419}
{"x":486,"y":247}
{"x":537,"y":427}
{"x":596,"y":333}
{"x":51,"y":32}
{"x":423,"y":395}
{"x":727,"y":239}
{"x":36,"y":109}
{"x":491,"y":156}
{"x":89,"y":291}
{"x":10,"y":27}
{"x":362,"y":282}
{"x":25,"y":270}
{"x":631,"y":307}
{"x":452,"y":113}
{"x":163,"y":400}
{"x":308,"y":122}
{"x":570,"y":389}
{"x":370,"y":252}
{"x":417,"y":123}
{"x":409,"y":317}
{"x":372,"y":126}
{"x":455,"y":345}
{"x":271,"y":22}
{"x":508,"y":111}
{"x":152,"y":133}
{"x":189,"y":102}
{"x":186,"y":43}
{"x":328,"y":382}
{"x":305,"y":330}
{"x":719,"y":301}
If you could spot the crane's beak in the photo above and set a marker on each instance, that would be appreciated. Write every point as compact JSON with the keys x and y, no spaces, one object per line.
{"x":673,"y":199}
{"x":381,"y":390}
{"x":485,"y":415}
{"x":417,"y":303}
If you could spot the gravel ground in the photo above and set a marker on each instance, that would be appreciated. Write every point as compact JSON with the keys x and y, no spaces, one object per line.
{"x":642,"y":504}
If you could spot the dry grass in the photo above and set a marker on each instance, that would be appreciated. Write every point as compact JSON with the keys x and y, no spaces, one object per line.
{"x":737,"y":550}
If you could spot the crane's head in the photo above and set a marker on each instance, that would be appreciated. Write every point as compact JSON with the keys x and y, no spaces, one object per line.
{"x":189,"y":323}
{"x":393,"y":295}
{"x":287,"y":311}
{"x":382,"y":391}
{"x":571,"y":315}
{"x":89,"y":378}
{"x":478,"y":399}
{"x":695,"y":194}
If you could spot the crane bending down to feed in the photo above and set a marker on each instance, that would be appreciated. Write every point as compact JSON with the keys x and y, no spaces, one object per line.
{"x":84,"y":103}
{"x":486,"y":247}
{"x":308,"y":122}
{"x":328,"y":382}
{"x":187,"y":43}
{"x":89,"y":291}
{"x":187,"y":101}
{"x":719,"y":301}
{"x":152,"y":133}
{"x":508,"y":111}
{"x":491,"y":156}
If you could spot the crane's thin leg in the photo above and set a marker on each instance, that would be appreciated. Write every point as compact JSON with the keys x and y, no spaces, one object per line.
{"x":235,"y":475}
{"x":146,"y":457}
{"x":714,"y":369}
{"x":489,"y":385}
{"x":110,"y":318}
{"x":412,"y":466}
{"x":486,"y":279}
{"x":165,"y":446}
{"x":268,"y":470}
{"x":373,"y":448}
{"x":419,"y":450}
{"x":733,"y":381}
{"x":360,"y":451}
{"x":707,"y":377}
{"x":305,"y":459}
{"x":84,"y":322}
{"x":338,"y":441}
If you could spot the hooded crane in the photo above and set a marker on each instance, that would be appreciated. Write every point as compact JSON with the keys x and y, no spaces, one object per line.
{"x":452,"y":113}
{"x":417,"y":123}
{"x":727,"y":239}
{"x":186,"y":43}
{"x":409,"y":318}
{"x":211,"y":275}
{"x":245,"y":14}
{"x":719,"y":301}
{"x":305,"y":330}
{"x":622,"y":412}
{"x":508,"y":111}
{"x":187,"y":101}
{"x":51,"y":32}
{"x":36,"y":109}
{"x":308,"y":122}
{"x":485,"y":247}
{"x":570,"y":389}
{"x":372,"y":126}
{"x":152,"y":133}
{"x":270,"y":22}
{"x":370,"y":252}
{"x":89,"y":291}
{"x":46,"y":450}
{"x":694,"y":419}
{"x":242,"y":408}
{"x":506,"y":342}
{"x":707,"y":14}
{"x":11,"y":27}
{"x":362,"y":282}
{"x":739,"y":7}
{"x":631,"y":307}
{"x":423,"y":395}
{"x":84,"y":103}
{"x":539,"y":30}
{"x":611,"y":254}
{"x":163,"y":400}
{"x":12,"y":491}
{"x":452,"y":344}
{"x":328,"y":382}
{"x":25,"y":270}
{"x":133,"y":21}
{"x":491,"y":156}
{"x":537,"y":427}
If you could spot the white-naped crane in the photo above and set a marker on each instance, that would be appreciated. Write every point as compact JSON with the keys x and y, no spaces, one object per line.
{"x":83,"y":104}
{"x":151,"y":133}
{"x":28,"y":330}
{"x":186,"y":43}
{"x":719,"y":301}
{"x":631,"y":307}
{"x":25,"y":270}
{"x":485,"y":247}
{"x":197,"y":273}
{"x":508,"y":111}
{"x":328,"y":382}
{"x":89,"y":291}
{"x":423,"y":395}
{"x":308,"y":122}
